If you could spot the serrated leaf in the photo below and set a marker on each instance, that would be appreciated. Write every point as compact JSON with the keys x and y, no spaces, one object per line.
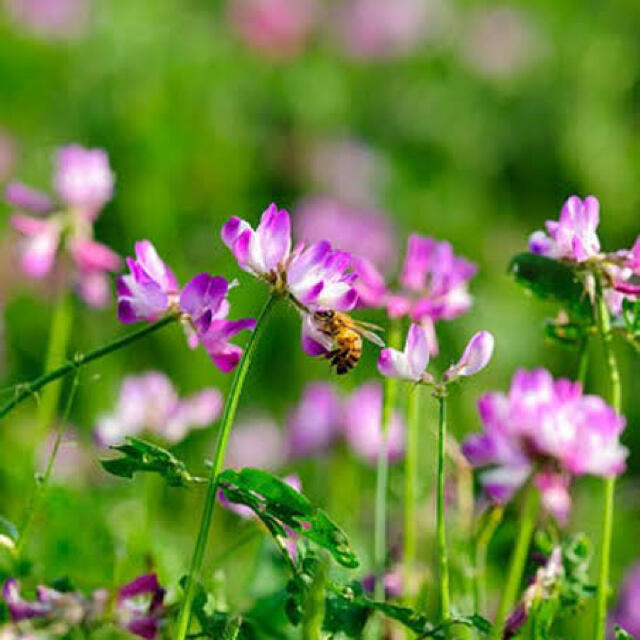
{"x":551,"y":280}
{"x":141,"y":456}
{"x":280,"y":506}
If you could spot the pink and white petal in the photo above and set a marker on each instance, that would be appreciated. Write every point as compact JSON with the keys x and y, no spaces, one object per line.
{"x":416,"y":350}
{"x":39,"y":252}
{"x":155,"y":268}
{"x":274,"y":232}
{"x":394,"y":364}
{"x":24,"y":197}
{"x":232,"y":229}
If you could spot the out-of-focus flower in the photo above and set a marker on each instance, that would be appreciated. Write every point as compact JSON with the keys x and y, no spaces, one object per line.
{"x":148,"y":402}
{"x":350,"y":172}
{"x":627,"y":611}
{"x":84,"y":183}
{"x":362,"y":231}
{"x":256,"y":441}
{"x":544,"y":426}
{"x":140,"y":606}
{"x":363,"y":425}
{"x":501,"y":41}
{"x":378,"y":29}
{"x":410,"y":364}
{"x":392,"y":580}
{"x":277,"y":28}
{"x":314,"y":423}
{"x":50,"y":19}
{"x":8,"y":151}
{"x":73,"y":461}
{"x":151,"y":291}
{"x":435,"y":285}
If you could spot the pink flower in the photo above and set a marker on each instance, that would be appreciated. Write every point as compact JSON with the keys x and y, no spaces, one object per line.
{"x":151,"y":291}
{"x":627,"y":610}
{"x":574,"y":237}
{"x":315,"y":422}
{"x":148,"y":402}
{"x":357,"y":230}
{"x":140,"y":606}
{"x":50,"y":19}
{"x":544,"y":427}
{"x":362,"y":424}
{"x":84,"y":179}
{"x":84,"y":183}
{"x":278,"y":28}
{"x":476,"y":356}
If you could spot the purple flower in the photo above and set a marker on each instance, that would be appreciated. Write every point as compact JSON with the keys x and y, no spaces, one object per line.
{"x":50,"y":19}
{"x":277,"y":28}
{"x":434,"y":285}
{"x":411,"y":363}
{"x":150,"y":291}
{"x":148,"y":402}
{"x":357,"y":230}
{"x":392,"y":580}
{"x":362,"y":424}
{"x":544,"y":426}
{"x":574,"y":237}
{"x":19,"y":608}
{"x":84,"y":179}
{"x":314,"y":423}
{"x":140,"y":606}
{"x":256,"y":441}
{"x":627,"y":611}
{"x":81,"y":181}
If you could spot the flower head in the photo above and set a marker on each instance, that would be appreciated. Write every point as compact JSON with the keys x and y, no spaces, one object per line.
{"x":547,"y":429}
{"x":148,"y":402}
{"x":84,"y":183}
{"x":150,"y":291}
{"x":140,"y":606}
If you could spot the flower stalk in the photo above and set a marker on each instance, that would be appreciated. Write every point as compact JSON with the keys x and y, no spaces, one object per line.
{"x":230,"y":409}
{"x":26,"y":389}
{"x":604,"y":326}
{"x":441,"y":533}
{"x":482,"y":541}
{"x":410,"y":491}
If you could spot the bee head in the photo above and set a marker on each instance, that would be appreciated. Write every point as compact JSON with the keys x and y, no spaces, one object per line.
{"x":325,"y":315}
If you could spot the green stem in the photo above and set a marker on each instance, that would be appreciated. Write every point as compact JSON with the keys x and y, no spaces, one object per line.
{"x":410,"y":490}
{"x":484,"y":537}
{"x":26,"y":389}
{"x":58,"y":340}
{"x":225,"y":429}
{"x":441,"y":531}
{"x":518,"y":559}
{"x":42,"y":483}
{"x":583,"y":361}
{"x":382,"y":473}
{"x":604,"y":326}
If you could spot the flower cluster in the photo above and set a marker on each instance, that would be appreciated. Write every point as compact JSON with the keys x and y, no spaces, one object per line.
{"x":83,"y":182}
{"x":434,"y":285}
{"x":574,"y":239}
{"x":411,"y":363}
{"x":547,"y":430}
{"x":148,"y":402}
{"x":139,"y":606}
{"x":151,"y":291}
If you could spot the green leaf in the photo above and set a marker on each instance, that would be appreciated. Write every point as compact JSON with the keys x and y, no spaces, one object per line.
{"x":280,"y":507}
{"x":551,"y":280}
{"x":621,"y":634}
{"x":570,"y":333}
{"x":631,"y":315}
{"x":141,"y":456}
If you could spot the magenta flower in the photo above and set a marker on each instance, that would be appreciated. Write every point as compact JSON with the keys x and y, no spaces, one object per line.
{"x":362,"y":425}
{"x":278,"y":28}
{"x":140,"y":608}
{"x":148,"y":402}
{"x":627,"y":611}
{"x":410,"y":364}
{"x":314,"y":423}
{"x":84,"y":183}
{"x":434,"y":285}
{"x":547,"y":429}
{"x":150,"y":291}
{"x":19,"y":608}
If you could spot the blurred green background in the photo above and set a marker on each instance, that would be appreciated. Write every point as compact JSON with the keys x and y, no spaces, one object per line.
{"x":481,"y":122}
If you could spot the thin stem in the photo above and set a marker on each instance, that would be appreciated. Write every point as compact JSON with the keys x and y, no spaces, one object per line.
{"x":518,"y":559}
{"x":441,"y":532}
{"x":583,"y":361}
{"x":61,"y":322}
{"x":410,"y":491}
{"x":26,"y":389}
{"x":42,"y":483}
{"x":225,"y":429}
{"x":483,"y":539}
{"x":382,"y":473}
{"x":604,"y":326}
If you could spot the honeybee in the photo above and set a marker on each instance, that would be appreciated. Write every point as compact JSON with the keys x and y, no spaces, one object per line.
{"x":346,"y":335}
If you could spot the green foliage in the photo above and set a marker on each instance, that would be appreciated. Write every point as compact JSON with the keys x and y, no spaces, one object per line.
{"x":631,"y":315}
{"x":142,"y":456}
{"x":279,"y":506}
{"x":621,"y":634}
{"x":551,"y":280}
{"x":567,"y":333}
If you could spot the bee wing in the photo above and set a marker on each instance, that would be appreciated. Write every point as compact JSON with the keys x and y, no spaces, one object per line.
{"x":371,"y":337}
{"x":367,"y":325}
